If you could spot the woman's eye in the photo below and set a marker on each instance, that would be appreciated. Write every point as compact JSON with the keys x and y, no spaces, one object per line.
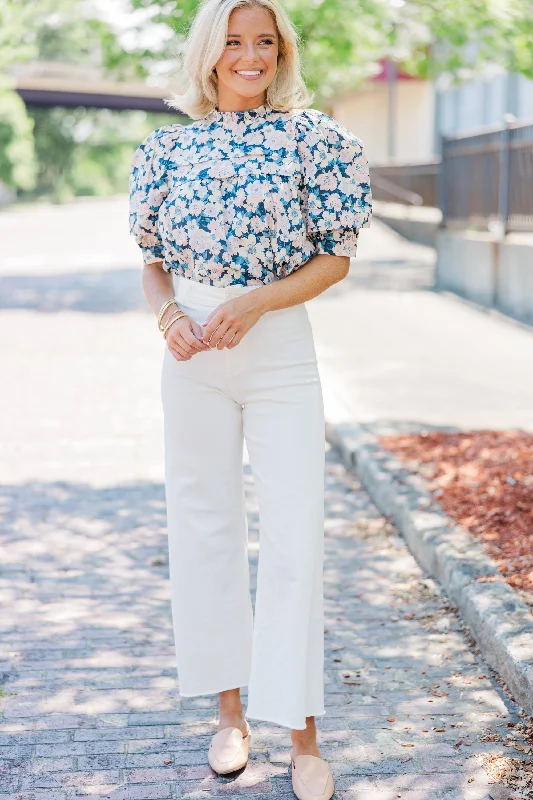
{"x":236,"y":41}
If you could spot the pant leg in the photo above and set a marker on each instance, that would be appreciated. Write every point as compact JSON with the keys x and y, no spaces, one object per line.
{"x":211,"y":604}
{"x":284,"y":432}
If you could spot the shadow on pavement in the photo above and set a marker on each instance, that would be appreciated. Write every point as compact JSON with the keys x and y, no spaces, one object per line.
{"x":118,"y":290}
{"x":394,"y":275}
{"x":95,"y":292}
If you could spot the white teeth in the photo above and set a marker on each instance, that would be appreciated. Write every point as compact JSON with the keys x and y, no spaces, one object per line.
{"x":248,"y":72}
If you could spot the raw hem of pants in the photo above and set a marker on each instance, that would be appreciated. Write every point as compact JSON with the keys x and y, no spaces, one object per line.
{"x":212,"y":691}
{"x":285,"y":724}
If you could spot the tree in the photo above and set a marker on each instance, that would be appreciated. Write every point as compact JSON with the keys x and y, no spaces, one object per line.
{"x":469,"y":34}
{"x":87,"y":151}
{"x":17,"y":159}
{"x":38,"y":144}
{"x":60,"y":152}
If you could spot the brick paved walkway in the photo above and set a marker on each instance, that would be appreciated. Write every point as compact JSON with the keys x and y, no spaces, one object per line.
{"x":89,"y":704}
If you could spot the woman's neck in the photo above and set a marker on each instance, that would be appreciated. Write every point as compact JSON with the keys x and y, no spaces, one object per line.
{"x":239,"y":103}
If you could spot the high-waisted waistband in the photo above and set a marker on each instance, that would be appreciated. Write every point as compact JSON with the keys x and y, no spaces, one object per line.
{"x":196,"y":292}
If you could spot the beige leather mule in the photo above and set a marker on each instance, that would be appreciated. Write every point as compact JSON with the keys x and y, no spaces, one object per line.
{"x":311,"y":778}
{"x":229,"y":750}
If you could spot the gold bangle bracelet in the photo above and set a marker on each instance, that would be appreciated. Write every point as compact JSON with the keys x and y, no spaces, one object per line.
{"x":164,"y":322}
{"x":174,"y":318}
{"x":171,"y":322}
{"x":162,"y":311}
{"x":178,"y":310}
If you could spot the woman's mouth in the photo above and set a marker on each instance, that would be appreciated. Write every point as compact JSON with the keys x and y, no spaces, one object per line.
{"x":249,"y":74}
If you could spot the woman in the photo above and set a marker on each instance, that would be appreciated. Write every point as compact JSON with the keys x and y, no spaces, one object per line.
{"x":243,"y":216}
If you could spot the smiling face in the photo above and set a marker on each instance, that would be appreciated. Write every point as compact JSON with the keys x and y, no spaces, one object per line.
{"x":249,"y":62}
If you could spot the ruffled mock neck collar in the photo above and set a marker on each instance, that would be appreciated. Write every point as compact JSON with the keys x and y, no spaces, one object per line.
{"x":234,"y":117}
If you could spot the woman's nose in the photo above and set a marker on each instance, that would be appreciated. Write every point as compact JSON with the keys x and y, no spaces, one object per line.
{"x":251,"y":53}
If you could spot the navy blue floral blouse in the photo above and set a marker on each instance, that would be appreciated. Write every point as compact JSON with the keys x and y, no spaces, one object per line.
{"x":248,"y":196}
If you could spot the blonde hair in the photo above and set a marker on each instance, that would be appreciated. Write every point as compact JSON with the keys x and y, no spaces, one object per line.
{"x":205,"y":44}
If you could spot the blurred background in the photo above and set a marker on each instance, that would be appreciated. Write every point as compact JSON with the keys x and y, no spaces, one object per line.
{"x":83,"y":80}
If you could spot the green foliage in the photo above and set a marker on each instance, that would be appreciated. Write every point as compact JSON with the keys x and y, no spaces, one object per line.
{"x":58,"y":152}
{"x":15,"y":21}
{"x":519,"y":32}
{"x":17,"y":156}
{"x":471,"y":33}
{"x":85,"y":151}
{"x":337,"y":56}
{"x":17,"y":163}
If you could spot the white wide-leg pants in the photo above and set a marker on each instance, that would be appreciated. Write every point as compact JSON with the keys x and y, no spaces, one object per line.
{"x":267,"y":391}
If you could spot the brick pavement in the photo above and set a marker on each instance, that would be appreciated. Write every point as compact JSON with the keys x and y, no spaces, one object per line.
{"x":91,"y":707}
{"x":90,"y":704}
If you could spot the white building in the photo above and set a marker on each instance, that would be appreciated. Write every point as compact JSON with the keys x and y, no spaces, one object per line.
{"x":365,"y":111}
{"x":482,"y":102}
{"x":424,"y":110}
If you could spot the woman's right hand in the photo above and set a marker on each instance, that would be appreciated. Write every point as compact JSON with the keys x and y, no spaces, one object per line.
{"x":184,"y":339}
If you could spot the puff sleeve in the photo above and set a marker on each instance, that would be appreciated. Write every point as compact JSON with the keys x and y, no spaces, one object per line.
{"x":337,"y":199}
{"x":147,"y":191}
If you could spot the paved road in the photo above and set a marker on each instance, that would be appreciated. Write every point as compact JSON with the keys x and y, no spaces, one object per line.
{"x":90,"y":704}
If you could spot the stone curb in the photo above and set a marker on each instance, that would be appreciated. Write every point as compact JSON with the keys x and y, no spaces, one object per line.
{"x":499,"y":620}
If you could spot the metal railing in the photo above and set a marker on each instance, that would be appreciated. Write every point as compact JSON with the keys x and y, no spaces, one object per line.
{"x":486,"y":180}
{"x":414,"y":184}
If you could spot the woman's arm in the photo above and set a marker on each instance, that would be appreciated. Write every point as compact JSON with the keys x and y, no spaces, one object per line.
{"x":184,"y":337}
{"x":317,"y":275}
{"x":228,"y":323}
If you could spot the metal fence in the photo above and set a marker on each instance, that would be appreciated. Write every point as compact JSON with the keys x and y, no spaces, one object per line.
{"x":486,"y":180}
{"x":414,"y":184}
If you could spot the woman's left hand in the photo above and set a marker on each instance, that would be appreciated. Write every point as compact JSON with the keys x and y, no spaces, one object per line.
{"x":228,"y":323}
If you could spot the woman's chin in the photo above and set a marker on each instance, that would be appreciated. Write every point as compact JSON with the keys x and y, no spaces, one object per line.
{"x":248,"y":88}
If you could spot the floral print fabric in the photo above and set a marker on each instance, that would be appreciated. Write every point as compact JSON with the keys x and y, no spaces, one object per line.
{"x":248,"y":196}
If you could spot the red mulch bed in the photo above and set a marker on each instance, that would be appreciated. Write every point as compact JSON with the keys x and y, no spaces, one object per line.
{"x":484,"y":481}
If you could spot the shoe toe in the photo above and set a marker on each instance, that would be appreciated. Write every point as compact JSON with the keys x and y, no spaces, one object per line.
{"x":228,"y":750}
{"x":311,"y":778}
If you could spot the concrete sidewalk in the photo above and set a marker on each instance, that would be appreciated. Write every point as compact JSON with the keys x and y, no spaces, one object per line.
{"x":391,"y":351}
